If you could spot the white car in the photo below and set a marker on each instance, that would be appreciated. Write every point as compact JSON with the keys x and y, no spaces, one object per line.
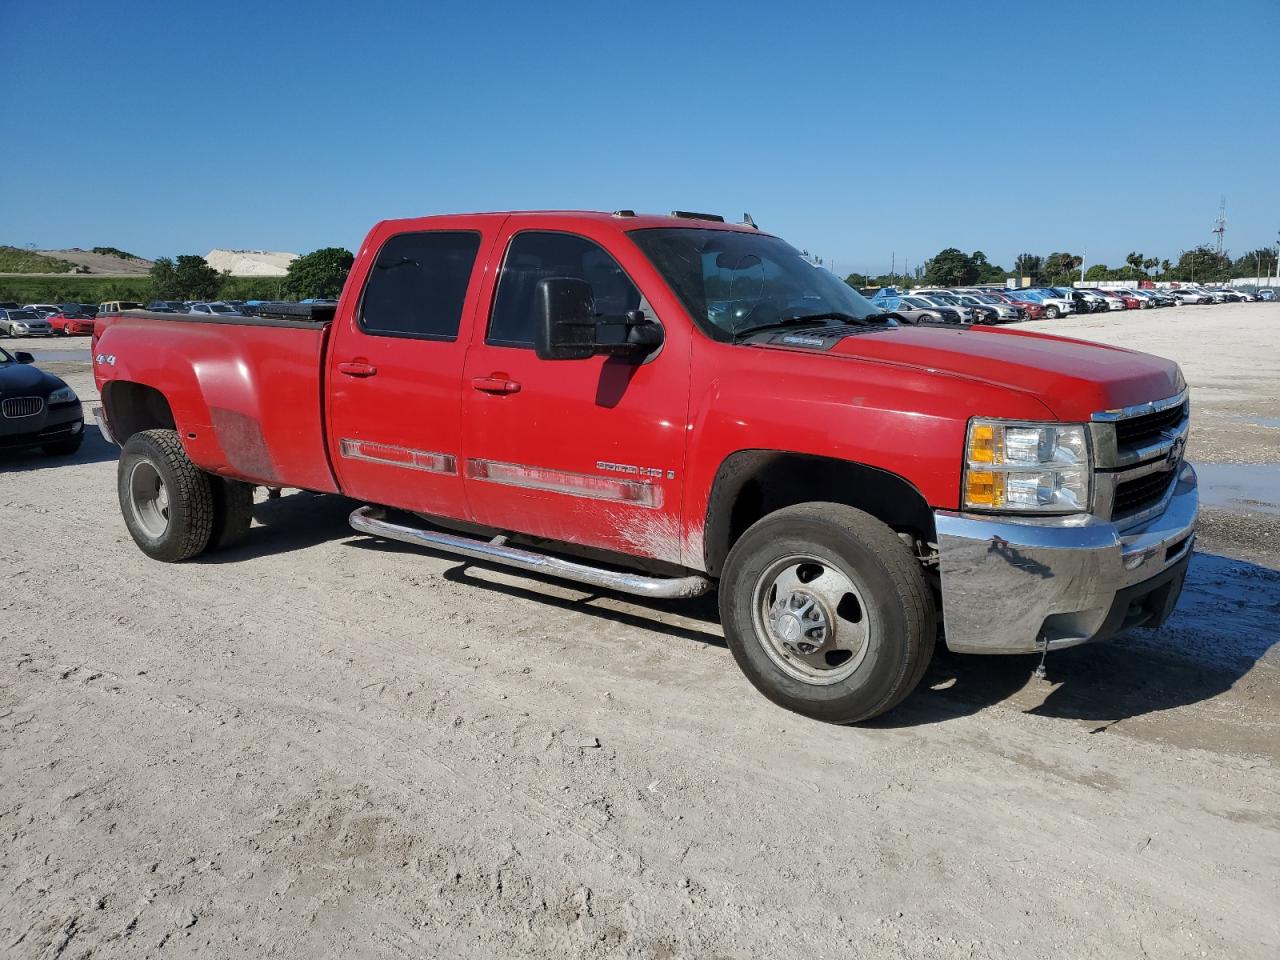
{"x":45,"y":310}
{"x":1185,"y":295}
{"x":214,"y":308}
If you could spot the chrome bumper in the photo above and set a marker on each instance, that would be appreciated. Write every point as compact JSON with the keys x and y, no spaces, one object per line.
{"x":1009,"y":585}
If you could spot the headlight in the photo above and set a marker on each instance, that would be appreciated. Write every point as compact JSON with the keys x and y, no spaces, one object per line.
{"x":63,"y":395}
{"x":1027,"y":467}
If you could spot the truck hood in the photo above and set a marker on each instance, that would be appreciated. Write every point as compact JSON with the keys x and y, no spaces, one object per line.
{"x":1072,"y":378}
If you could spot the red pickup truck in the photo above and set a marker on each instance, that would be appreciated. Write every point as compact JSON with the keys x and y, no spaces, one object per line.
{"x":662,"y":404}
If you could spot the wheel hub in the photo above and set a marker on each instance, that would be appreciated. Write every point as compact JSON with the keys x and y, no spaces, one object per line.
{"x":799,"y":622}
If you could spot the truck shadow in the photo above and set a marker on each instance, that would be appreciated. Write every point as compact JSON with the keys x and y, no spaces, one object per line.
{"x":293,"y":521}
{"x":95,"y":449}
{"x":1225,"y":623}
{"x":639,"y":612}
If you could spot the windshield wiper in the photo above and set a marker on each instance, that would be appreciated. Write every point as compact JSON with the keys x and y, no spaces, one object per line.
{"x":810,"y":319}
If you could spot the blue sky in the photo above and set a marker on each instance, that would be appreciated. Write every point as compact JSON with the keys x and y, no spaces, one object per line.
{"x":855,"y":130}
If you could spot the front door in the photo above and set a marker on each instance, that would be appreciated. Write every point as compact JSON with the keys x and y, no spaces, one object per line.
{"x":586,"y":451}
{"x":395,"y":368}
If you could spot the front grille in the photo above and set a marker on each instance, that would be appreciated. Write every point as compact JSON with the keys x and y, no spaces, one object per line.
{"x":16,"y":407}
{"x":1141,"y":493}
{"x":1149,"y":426}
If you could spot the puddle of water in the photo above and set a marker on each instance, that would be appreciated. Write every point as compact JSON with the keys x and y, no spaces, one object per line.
{"x":1272,"y":422}
{"x":1240,"y":486}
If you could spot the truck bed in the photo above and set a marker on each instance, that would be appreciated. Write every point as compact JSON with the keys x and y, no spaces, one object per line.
{"x":245,"y":392}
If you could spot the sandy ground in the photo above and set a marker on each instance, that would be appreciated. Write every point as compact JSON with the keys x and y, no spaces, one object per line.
{"x":320,"y":745}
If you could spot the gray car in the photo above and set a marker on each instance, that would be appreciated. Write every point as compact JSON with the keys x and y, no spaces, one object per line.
{"x":24,"y":323}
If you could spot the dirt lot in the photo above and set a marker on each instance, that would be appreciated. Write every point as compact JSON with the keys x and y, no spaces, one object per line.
{"x":321,"y":745}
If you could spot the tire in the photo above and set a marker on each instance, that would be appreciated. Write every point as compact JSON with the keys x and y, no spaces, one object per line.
{"x":1051,"y":313}
{"x":166,"y":500}
{"x":232,"y":512}
{"x":870,"y":594}
{"x":64,"y":448}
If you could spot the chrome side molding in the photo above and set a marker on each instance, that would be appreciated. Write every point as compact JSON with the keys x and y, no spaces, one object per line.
{"x":365,"y":520}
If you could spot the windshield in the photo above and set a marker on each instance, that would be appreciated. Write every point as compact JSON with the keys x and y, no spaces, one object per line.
{"x":220,"y":308}
{"x":916,"y":302}
{"x":23,"y":315}
{"x":731,"y":281}
{"x":6,"y":357}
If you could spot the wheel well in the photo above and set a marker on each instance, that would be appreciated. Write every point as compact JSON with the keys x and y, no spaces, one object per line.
{"x":754,"y":483}
{"x":134,"y":407}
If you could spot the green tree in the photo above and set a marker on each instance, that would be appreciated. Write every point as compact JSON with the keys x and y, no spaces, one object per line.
{"x":1256,"y":263}
{"x":187,"y":278}
{"x":1165,"y":267}
{"x":320,"y":273}
{"x":1099,"y":271}
{"x":950,"y":268}
{"x":988,"y":272}
{"x":164,"y":279}
{"x":1202,"y":264}
{"x":1135,"y":261}
{"x":1028,"y":265}
{"x":857,"y":280}
{"x":1061,"y":269}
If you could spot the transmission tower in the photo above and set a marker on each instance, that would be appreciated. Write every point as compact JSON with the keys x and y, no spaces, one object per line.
{"x":1220,"y":225}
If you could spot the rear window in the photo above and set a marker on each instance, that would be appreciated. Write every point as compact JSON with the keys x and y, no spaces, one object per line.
{"x":418,"y":285}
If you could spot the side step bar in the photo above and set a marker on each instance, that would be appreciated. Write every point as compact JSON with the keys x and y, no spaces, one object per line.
{"x":365,"y":520}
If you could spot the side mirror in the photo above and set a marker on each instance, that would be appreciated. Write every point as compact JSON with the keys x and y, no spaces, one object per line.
{"x":568,"y":328}
{"x":23,"y":357}
{"x":565,"y":320}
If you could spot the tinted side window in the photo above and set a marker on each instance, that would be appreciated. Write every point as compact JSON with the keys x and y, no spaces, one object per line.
{"x":418,"y":283}
{"x":535,"y":256}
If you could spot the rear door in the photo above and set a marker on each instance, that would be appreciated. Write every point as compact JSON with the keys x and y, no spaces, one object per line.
{"x":395,"y":366}
{"x":585,"y":451}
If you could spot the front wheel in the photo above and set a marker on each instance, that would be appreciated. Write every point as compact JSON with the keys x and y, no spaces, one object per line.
{"x":827,"y":612}
{"x":1051,"y":313}
{"x":166,"y":499}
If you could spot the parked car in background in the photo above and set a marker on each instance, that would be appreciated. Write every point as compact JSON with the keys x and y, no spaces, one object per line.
{"x":1004,"y":312}
{"x":1081,"y":300}
{"x":80,"y":309}
{"x":8,"y":305}
{"x":217,"y":308}
{"x":167,"y":306}
{"x":45,"y":310}
{"x":1185,"y":295}
{"x":1032,"y":310}
{"x":1267,"y":295}
{"x":115,"y":306}
{"x":37,"y":409}
{"x":24,"y":323}
{"x":937,"y":300}
{"x":982,"y":312}
{"x":1114,"y":300}
{"x":915,"y":310}
{"x":69,"y":324}
{"x":1054,"y":305}
{"x":1158,"y":298}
